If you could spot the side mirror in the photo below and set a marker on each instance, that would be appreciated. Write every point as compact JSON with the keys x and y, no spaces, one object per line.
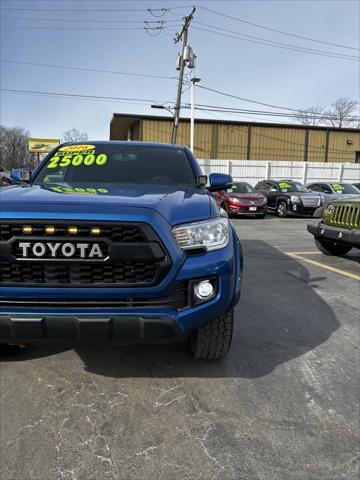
{"x":201,"y":180}
{"x":20,"y":175}
{"x":219,"y":181}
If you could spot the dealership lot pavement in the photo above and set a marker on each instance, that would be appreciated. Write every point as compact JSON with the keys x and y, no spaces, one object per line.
{"x":283,"y":405}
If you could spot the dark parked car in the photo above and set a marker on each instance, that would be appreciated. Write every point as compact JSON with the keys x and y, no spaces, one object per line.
{"x":288,"y":197}
{"x":332,"y":191}
{"x":241,"y":199}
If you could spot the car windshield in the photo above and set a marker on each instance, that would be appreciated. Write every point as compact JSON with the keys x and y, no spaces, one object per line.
{"x":344,"y":188}
{"x":116,"y":164}
{"x":290,"y":186}
{"x":241,"y":187}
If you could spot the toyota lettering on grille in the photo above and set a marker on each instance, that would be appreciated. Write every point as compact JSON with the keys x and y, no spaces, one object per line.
{"x":60,"y":251}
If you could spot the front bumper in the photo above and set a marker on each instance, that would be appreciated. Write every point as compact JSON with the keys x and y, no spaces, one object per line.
{"x":25,"y":324}
{"x":335,"y":234}
{"x":247,"y":210}
{"x":300,"y":209}
{"x":119,"y":328}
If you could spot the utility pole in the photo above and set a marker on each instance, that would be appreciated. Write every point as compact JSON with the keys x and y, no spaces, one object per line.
{"x":184,"y":36}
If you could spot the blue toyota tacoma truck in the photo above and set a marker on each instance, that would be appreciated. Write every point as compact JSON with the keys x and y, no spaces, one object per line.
{"x":118,"y":241}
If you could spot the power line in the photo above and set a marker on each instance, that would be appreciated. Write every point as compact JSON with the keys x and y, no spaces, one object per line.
{"x":247,"y":99}
{"x":275,"y":30}
{"x":238,"y":37}
{"x":87,"y":69}
{"x":273,"y":43}
{"x":149,"y":10}
{"x":26,"y":27}
{"x":215,"y":108}
{"x":76,"y":20}
{"x":125,"y":100}
{"x":75,"y":95}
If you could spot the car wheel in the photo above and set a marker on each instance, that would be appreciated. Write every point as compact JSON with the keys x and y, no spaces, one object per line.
{"x":332,"y":248}
{"x":282,"y":210}
{"x":212,"y":341}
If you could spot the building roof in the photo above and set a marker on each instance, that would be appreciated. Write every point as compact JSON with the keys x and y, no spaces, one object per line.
{"x":129,"y":118}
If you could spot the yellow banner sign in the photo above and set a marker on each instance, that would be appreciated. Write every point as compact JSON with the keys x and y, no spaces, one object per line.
{"x":42,"y":145}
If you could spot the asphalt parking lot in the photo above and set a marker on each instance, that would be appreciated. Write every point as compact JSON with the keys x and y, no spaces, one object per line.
{"x":283,"y":405}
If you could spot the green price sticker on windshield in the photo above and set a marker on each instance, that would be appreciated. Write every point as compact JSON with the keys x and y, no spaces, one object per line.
{"x":284,"y":186}
{"x":337,"y":186}
{"x":78,"y":160}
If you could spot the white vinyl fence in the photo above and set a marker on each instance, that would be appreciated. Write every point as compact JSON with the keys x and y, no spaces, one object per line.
{"x":253,"y":171}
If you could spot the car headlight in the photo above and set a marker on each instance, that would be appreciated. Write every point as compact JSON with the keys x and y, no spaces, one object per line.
{"x":211,"y":234}
{"x":295,"y":199}
{"x":234,"y":199}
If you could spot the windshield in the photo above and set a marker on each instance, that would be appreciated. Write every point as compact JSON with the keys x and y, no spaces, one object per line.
{"x":116,"y":164}
{"x":241,"y":187}
{"x":344,"y":188}
{"x":289,"y":186}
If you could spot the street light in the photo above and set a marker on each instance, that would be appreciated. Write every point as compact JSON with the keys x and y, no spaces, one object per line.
{"x":162,"y":107}
{"x":192,"y":120}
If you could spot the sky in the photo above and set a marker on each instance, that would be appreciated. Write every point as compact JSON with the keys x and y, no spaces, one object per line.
{"x":237,"y":59}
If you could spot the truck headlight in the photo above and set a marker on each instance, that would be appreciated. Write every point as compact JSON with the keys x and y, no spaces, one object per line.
{"x":210,"y":234}
{"x":295,"y":199}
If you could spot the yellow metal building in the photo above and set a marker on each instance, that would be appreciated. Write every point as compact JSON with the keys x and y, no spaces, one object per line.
{"x":233,"y":140}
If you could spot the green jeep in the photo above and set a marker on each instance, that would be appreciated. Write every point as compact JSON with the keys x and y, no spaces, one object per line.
{"x":339,"y":230}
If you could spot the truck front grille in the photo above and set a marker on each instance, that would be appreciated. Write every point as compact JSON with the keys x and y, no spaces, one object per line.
{"x":135,"y":255}
{"x":248,"y":201}
{"x":346,"y":216}
{"x":117,"y":232}
{"x":311,"y":201}
{"x":117,"y":273}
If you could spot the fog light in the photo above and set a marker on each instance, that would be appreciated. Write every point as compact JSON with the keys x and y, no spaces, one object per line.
{"x":294,"y":207}
{"x":322,"y":231}
{"x":203,"y":290}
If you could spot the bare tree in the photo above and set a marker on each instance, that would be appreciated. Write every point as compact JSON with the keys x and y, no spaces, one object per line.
{"x":342,"y":113}
{"x":14,"y":148}
{"x":311,"y":115}
{"x":74,"y":135}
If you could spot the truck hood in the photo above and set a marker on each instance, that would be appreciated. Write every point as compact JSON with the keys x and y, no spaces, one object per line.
{"x":174,"y":204}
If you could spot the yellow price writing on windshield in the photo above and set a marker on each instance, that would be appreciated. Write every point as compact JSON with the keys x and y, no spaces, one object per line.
{"x":88,"y":191}
{"x":78,"y":160}
{"x":76,"y":148}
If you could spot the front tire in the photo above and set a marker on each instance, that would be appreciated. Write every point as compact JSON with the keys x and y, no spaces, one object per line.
{"x":213,"y":340}
{"x":332,"y":248}
{"x":282,"y":210}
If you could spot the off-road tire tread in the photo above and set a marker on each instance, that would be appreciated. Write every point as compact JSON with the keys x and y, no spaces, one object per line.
{"x":212,"y":341}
